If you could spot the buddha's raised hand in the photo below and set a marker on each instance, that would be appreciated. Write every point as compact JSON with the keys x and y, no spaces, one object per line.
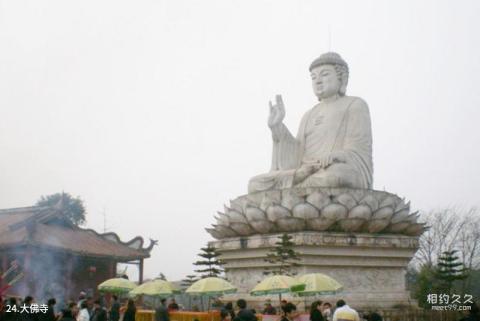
{"x":277,"y":112}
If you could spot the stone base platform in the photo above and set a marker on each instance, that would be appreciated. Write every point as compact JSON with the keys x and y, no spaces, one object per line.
{"x":370,"y":267}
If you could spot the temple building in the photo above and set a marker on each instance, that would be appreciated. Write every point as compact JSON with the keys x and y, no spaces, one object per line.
{"x":59,"y":259}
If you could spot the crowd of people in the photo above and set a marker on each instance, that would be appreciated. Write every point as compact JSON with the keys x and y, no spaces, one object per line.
{"x":319,"y":311}
{"x":88,"y":309}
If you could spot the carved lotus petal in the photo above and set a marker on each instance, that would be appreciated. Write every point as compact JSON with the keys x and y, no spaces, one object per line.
{"x":415,"y":229}
{"x":358,"y":194}
{"x":413,"y":218}
{"x":334,"y":212}
{"x":371,"y":201}
{"x":401,"y":215}
{"x":238,"y":204}
{"x":225,"y":231}
{"x":262,"y":227}
{"x":255,"y":214}
{"x":383,"y":213}
{"x":290,"y":198}
{"x":377,"y":225}
{"x":270,"y":198}
{"x":276,"y":212}
{"x":346,"y":200}
{"x":305,"y":211}
{"x":291,"y":224}
{"x":214,"y":233}
{"x":398,"y":227}
{"x":242,"y":229}
{"x":236,"y":217}
{"x":402,"y":205}
{"x":318,"y":199}
{"x":255,"y":199}
{"x":222,"y":219}
{"x":390,"y":201}
{"x":351,"y":224}
{"x":319,"y":224}
{"x":360,"y":211}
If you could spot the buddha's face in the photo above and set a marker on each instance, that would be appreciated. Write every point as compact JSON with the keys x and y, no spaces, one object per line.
{"x":325,"y":81}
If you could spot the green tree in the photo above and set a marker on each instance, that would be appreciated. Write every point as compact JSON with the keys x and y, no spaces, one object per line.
{"x":423,"y":284}
{"x":162,"y":276}
{"x":448,"y":270}
{"x":71,"y":207}
{"x":189,"y":280}
{"x":282,"y":257}
{"x":213,"y":266}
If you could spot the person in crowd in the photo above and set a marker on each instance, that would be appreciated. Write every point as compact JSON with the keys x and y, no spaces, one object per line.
{"x":161,"y":313}
{"x":72,"y":306}
{"x":115,"y":309}
{"x":269,"y":308}
{"x":67,"y":315}
{"x":90,"y":305}
{"x":316,"y":311}
{"x":50,"y":314}
{"x":173,"y":306}
{"x":99,"y":313}
{"x":228,"y":308}
{"x":130,"y":311}
{"x":327,"y":311}
{"x":290,"y":312}
{"x":244,"y":314}
{"x":283,"y":304}
{"x":344,"y":312}
{"x":81,"y":298}
{"x":12,"y":302}
{"x":224,"y":315}
{"x":27,"y":316}
{"x":83,"y":314}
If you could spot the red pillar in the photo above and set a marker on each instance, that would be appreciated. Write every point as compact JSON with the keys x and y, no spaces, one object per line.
{"x":140,"y":271}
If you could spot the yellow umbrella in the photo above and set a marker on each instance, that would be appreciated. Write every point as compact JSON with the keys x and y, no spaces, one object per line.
{"x":160,"y":288}
{"x":116,"y":285}
{"x":211,"y":286}
{"x":277,"y":284}
{"x":318,"y":283}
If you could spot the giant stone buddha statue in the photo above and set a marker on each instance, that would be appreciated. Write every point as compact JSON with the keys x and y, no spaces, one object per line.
{"x":333,"y":147}
{"x":320,"y":180}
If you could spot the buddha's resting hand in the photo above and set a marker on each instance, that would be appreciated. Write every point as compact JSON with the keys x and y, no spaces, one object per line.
{"x":328,"y":159}
{"x":277,"y":112}
{"x":323,"y":162}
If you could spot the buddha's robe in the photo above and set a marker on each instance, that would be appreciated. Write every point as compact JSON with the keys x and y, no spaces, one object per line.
{"x":341,"y":127}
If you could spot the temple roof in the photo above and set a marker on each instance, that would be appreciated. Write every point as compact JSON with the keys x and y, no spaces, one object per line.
{"x":45,"y":227}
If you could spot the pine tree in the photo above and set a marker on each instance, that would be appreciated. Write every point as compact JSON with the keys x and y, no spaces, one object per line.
{"x":189,"y":280}
{"x":449,"y":269}
{"x":282,"y":256}
{"x":213,"y":266}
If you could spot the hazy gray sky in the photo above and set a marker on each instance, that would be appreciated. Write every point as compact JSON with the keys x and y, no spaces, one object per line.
{"x":155,"y":111}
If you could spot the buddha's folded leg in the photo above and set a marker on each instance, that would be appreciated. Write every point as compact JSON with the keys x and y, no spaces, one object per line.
{"x":336,"y":175}
{"x":270,"y":181}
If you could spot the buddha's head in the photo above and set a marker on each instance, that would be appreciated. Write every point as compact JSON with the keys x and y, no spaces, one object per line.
{"x":329,"y":74}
